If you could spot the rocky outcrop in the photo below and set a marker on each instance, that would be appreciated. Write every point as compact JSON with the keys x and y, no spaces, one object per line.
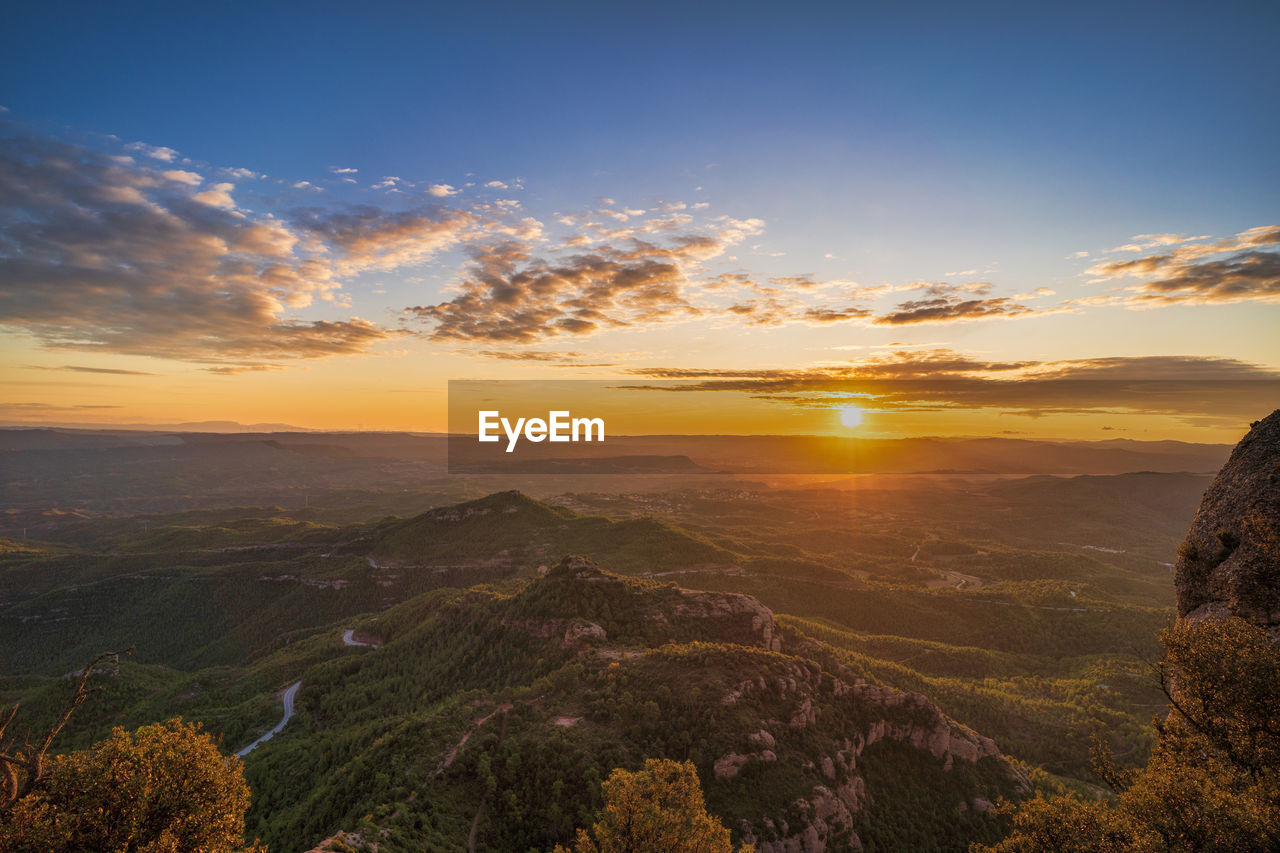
{"x":580,"y":631}
{"x":727,"y":766}
{"x":824,"y":819}
{"x":1229,"y":564}
{"x":345,"y":842}
{"x":723,"y":616}
{"x":732,"y":605}
{"x":829,"y":815}
{"x":575,"y":567}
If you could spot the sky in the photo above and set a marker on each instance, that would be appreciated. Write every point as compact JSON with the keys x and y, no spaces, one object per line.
{"x":1045,"y":220}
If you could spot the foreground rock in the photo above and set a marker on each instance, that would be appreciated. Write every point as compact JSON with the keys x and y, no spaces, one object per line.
{"x":1229,"y":563}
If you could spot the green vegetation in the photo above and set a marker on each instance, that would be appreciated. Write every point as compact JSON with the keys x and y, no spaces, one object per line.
{"x":478,"y":697}
{"x":1213,"y":782}
{"x":163,"y":789}
{"x":654,"y":810}
{"x":1045,"y":710}
{"x":504,"y":693}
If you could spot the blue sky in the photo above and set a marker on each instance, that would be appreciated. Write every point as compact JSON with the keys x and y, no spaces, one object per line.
{"x":1154,"y":109}
{"x":986,"y":153}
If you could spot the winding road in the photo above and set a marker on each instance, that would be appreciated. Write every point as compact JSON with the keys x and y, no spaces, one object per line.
{"x":349,"y":639}
{"x":288,"y":713}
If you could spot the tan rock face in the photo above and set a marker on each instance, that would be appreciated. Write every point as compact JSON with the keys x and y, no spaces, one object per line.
{"x":1229,"y":564}
{"x":840,"y":794}
{"x":727,"y":766}
{"x":712,"y":605}
{"x":583,"y":631}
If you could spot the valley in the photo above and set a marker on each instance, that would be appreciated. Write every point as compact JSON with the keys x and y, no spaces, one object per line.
{"x":433,"y":646}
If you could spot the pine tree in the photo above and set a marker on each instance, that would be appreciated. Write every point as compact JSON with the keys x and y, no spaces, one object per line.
{"x":655,"y":810}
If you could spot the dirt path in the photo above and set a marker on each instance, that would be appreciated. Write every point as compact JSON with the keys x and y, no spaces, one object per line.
{"x":475,"y":823}
{"x":466,"y":736}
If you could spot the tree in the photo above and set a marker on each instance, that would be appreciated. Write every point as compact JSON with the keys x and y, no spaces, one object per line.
{"x":655,"y":810}
{"x":1213,"y":781}
{"x":162,"y":789}
{"x":23,"y":769}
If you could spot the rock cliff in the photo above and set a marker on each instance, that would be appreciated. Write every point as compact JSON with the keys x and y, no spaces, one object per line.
{"x":1229,"y":563}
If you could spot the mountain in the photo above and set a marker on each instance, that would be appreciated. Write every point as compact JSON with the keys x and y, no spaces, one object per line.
{"x":508,"y":530}
{"x":1020,"y":609}
{"x":492,"y":717}
{"x":185,"y":426}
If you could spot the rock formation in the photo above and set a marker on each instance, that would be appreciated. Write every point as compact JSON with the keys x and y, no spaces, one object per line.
{"x":1229,"y":564}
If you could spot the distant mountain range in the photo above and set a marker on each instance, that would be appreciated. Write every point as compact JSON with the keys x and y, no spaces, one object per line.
{"x":751,"y":455}
{"x":185,"y":426}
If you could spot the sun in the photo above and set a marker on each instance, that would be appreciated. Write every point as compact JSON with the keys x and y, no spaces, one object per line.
{"x":851,"y":416}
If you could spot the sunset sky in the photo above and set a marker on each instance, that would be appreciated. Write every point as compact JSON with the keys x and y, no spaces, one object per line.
{"x":1024,"y":219}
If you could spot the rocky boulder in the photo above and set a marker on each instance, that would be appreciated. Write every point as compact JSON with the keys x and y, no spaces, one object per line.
{"x":1229,"y":564}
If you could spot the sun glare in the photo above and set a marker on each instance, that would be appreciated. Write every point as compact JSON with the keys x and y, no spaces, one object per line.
{"x":851,"y":416}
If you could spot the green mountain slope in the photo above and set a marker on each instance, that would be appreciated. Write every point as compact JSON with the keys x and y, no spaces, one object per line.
{"x":503,"y":712}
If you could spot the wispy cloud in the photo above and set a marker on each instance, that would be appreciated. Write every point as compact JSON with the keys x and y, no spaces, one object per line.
{"x":78,"y":368}
{"x":568,"y":359}
{"x":1191,"y":274}
{"x":165,"y":155}
{"x":371,"y":238}
{"x":102,"y":253}
{"x":1220,"y":390}
{"x":135,"y":249}
{"x":509,"y":294}
{"x":948,"y":308}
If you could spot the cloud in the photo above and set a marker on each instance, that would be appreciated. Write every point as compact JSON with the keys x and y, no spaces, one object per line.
{"x":902,"y":364}
{"x":509,"y":295}
{"x":1220,"y":390}
{"x":165,"y":155}
{"x":836,"y":315}
{"x":1148,"y":241}
{"x":371,"y":238}
{"x":802,"y":282}
{"x":940,"y":303}
{"x":340,"y":170}
{"x":83,"y":369}
{"x":237,"y":368}
{"x":564,"y":359}
{"x":219,"y":195}
{"x":950,"y":308}
{"x":1249,"y":276}
{"x":102,"y":254}
{"x":1156,"y":367}
{"x":24,"y":408}
{"x":1174,"y":260}
{"x":1188,"y":275}
{"x":497,"y":185}
{"x":442,"y":190}
{"x":191,"y":179}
